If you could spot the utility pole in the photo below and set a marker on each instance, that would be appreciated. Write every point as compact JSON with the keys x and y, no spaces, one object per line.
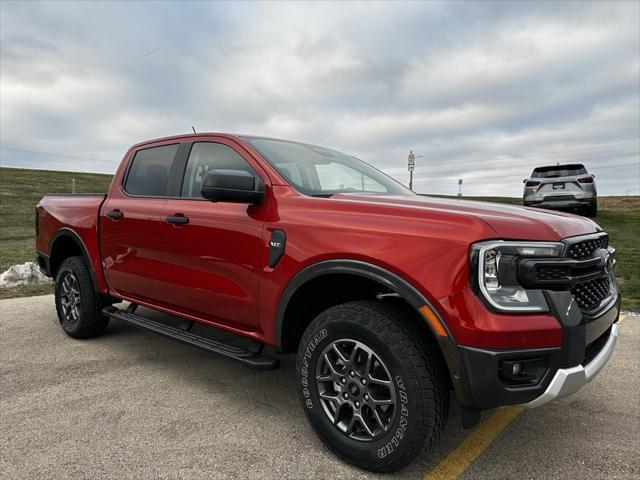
{"x":73,"y":185}
{"x":412,"y":166}
{"x":459,"y":187}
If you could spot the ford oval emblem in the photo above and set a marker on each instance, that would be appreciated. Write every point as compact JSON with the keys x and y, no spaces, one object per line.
{"x":608,"y":263}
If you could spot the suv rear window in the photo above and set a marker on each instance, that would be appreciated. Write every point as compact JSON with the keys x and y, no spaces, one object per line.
{"x":559,"y":171}
{"x":149,"y":171}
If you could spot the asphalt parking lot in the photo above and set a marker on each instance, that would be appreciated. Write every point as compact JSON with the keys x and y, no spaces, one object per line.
{"x":132,"y":404}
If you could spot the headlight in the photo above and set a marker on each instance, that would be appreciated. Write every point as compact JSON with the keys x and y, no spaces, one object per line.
{"x":494,"y":273}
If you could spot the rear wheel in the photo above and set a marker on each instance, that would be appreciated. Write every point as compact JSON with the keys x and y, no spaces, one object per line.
{"x":592,"y":210}
{"x":371,"y":385}
{"x":77,"y":303}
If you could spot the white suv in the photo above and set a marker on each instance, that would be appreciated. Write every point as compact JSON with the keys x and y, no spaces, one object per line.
{"x":562,"y":187}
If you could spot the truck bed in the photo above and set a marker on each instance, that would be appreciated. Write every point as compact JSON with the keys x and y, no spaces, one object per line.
{"x":79,"y":212}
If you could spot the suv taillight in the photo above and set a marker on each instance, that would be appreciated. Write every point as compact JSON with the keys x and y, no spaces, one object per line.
{"x":586,"y":180}
{"x":532,"y":183}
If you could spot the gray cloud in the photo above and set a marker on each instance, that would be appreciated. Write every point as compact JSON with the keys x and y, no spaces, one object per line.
{"x":485,"y":91}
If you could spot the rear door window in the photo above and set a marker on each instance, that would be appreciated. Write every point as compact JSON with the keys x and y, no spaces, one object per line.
{"x":149,"y":171}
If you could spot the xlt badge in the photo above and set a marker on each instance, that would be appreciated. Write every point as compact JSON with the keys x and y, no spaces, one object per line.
{"x":277,"y":244}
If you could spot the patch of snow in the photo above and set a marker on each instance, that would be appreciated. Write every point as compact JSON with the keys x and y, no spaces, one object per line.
{"x":24,"y":274}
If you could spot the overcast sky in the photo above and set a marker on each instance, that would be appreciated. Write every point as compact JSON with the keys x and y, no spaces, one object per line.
{"x":484,"y":91}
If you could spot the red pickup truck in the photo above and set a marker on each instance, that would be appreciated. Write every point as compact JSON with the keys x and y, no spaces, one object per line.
{"x":390,"y":299}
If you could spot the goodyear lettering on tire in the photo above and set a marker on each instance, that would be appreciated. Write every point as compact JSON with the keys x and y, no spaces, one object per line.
{"x":313,"y":344}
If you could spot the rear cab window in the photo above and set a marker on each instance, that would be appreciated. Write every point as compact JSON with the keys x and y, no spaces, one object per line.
{"x":149,"y":171}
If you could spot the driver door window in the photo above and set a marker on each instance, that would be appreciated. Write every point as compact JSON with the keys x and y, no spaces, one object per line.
{"x":206,"y":156}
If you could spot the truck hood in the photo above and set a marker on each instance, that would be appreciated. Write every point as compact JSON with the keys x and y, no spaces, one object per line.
{"x":508,"y":221}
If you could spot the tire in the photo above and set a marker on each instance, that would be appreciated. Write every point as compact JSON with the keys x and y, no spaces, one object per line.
{"x":402,"y":354}
{"x":77,"y":303}
{"x":592,"y":210}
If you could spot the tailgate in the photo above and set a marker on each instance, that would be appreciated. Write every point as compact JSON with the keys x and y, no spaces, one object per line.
{"x":560,"y":186}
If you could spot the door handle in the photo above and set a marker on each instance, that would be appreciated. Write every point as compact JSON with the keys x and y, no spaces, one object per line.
{"x":115,"y":214}
{"x":178,"y":219}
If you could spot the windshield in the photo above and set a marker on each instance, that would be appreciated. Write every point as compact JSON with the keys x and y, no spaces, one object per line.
{"x":322,"y":172}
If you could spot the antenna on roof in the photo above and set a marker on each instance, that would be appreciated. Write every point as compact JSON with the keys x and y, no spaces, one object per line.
{"x":194,"y":130}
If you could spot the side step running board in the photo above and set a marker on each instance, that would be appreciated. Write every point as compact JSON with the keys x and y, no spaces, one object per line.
{"x":251,"y":356}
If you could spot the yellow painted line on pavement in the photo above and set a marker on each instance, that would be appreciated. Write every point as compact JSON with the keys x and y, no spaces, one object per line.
{"x":473,"y":445}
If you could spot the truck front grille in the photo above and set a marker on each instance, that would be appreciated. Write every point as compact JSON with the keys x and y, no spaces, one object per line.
{"x":586,"y":270}
{"x":552,"y":272}
{"x":585,"y":248}
{"x":589,"y":295}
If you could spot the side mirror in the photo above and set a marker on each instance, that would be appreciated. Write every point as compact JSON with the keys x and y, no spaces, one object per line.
{"x":232,"y":186}
{"x":525,"y":180}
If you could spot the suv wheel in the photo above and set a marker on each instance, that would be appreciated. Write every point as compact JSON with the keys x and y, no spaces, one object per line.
{"x":372,"y":385}
{"x":77,"y":302}
{"x":592,"y":210}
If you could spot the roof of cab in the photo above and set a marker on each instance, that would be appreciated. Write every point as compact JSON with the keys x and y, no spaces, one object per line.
{"x":186,"y":136}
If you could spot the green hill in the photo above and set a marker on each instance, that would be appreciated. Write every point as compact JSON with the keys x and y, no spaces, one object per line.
{"x":20,"y":191}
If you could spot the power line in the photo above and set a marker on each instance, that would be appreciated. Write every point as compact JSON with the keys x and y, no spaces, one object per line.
{"x":533,"y":154}
{"x":511,"y":156}
{"x":516,"y":158}
{"x":521,"y":174}
{"x":586,"y":147}
{"x":470,"y":179}
{"x":79,"y":157}
{"x":510,"y":160}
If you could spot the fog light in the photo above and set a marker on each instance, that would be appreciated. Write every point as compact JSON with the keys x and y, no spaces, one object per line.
{"x":516,"y":369}
{"x":523,"y":372}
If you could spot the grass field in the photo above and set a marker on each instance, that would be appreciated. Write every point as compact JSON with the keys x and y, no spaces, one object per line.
{"x":20,"y":190}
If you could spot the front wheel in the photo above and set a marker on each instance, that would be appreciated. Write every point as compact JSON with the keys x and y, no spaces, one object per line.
{"x":77,"y":302}
{"x":372,"y":387}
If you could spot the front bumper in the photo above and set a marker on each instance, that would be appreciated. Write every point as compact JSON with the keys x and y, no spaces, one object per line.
{"x":560,"y":203}
{"x":587,"y":344}
{"x":569,"y":200}
{"x":568,"y":381}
